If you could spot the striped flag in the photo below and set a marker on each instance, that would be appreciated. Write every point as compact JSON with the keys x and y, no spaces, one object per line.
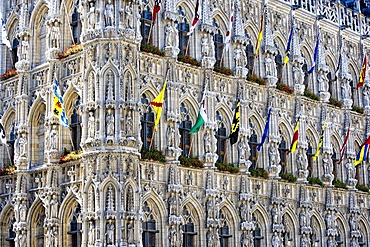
{"x":202,"y":117}
{"x":343,"y":149}
{"x":156,"y":9}
{"x":363,"y":73}
{"x":295,"y":138}
{"x":58,"y":106}
{"x":320,"y":142}
{"x":287,"y":51}
{"x":266,"y":131}
{"x":235,"y":125}
{"x":230,"y":25}
{"x":4,"y":34}
{"x":260,"y":36}
{"x":157,"y":104}
{"x":2,"y":134}
{"x":315,"y":54}
{"x":362,"y":155}
{"x":195,"y":18}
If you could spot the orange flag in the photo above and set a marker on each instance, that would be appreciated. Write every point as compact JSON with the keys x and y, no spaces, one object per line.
{"x":363,"y":73}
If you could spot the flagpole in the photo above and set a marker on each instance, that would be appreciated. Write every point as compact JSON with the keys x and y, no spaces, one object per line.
{"x":150,"y":33}
{"x":187,"y":45}
{"x":70,"y":137}
{"x":69,"y":24}
{"x":222,"y":56}
{"x":11,"y":57}
{"x":10,"y":158}
{"x":191,"y":144}
{"x":151,"y":140}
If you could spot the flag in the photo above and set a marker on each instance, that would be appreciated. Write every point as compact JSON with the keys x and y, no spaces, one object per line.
{"x":315,"y":54}
{"x":195,"y":18}
{"x":58,"y":106}
{"x":2,"y":134}
{"x":156,"y":9}
{"x":4,"y":34}
{"x":157,"y":104}
{"x":202,"y":117}
{"x":295,"y":138}
{"x":230,"y":25}
{"x":260,"y":36}
{"x":320,"y":142}
{"x":266,"y":131}
{"x":363,"y":73}
{"x":287,"y":51}
{"x":234,"y":133}
{"x":343,"y":149}
{"x":362,"y":155}
{"x":338,"y":67}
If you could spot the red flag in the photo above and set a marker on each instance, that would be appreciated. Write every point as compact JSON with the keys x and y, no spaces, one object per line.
{"x":363,"y":73}
{"x":230,"y":25}
{"x":156,"y":9}
{"x":295,"y":138}
{"x":195,"y":18}
{"x":260,"y":36}
{"x":343,"y":149}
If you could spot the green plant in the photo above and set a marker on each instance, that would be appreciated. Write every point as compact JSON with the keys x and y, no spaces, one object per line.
{"x":285,"y":88}
{"x":339,"y":184}
{"x":288,"y":177}
{"x":188,"y":59}
{"x":223,"y":70}
{"x":312,"y":181}
{"x":191,"y":162}
{"x":70,"y":51}
{"x":152,"y":49}
{"x":357,"y":109}
{"x":7,"y":170}
{"x":8,"y":74}
{"x":256,"y":79}
{"x":362,"y":187}
{"x":224,"y":167}
{"x":335,"y":102}
{"x":258,"y":172}
{"x":311,"y":95}
{"x":147,"y":154}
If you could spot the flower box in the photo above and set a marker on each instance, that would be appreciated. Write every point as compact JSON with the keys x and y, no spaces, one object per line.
{"x":188,"y":59}
{"x":7,"y":170}
{"x":70,"y":51}
{"x":288,"y":177}
{"x":152,"y":49}
{"x":156,"y":155}
{"x":311,"y":95}
{"x":70,"y":156}
{"x":357,"y":109}
{"x":335,"y":102}
{"x":191,"y":162}
{"x":285,"y":88}
{"x":8,"y":74}
{"x":256,"y":79}
{"x":258,"y":172}
{"x":224,"y":167}
{"x":223,"y":70}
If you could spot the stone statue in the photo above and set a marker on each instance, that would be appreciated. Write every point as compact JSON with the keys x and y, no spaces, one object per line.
{"x":238,"y":57}
{"x":130,"y":233}
{"x":275,"y":215}
{"x":350,"y":170}
{"x":366,"y":92}
{"x":301,"y":160}
{"x":173,"y":236}
{"x":54,"y":36}
{"x":170,"y":136}
{"x":269,"y":66}
{"x":298,"y":75}
{"x":305,"y":242}
{"x":91,"y":125}
{"x":21,"y":145}
{"x":91,"y":15}
{"x":346,"y":90}
{"x":207,"y":142}
{"x":329,"y":221}
{"x":275,"y":241}
{"x":129,"y":16}
{"x":327,"y":163}
{"x":169,"y":35}
{"x":91,"y":238}
{"x":353,"y":223}
{"x":110,"y":233}
{"x":171,"y":204}
{"x":205,"y":45}
{"x":53,"y":137}
{"x":274,"y":156}
{"x":243,"y":150}
{"x":25,"y":46}
{"x":303,"y":219}
{"x":129,"y":123}
{"x":323,"y":82}
{"x":110,"y":123}
{"x":109,"y":14}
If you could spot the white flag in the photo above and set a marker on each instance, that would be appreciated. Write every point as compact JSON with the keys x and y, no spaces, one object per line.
{"x":4,"y":34}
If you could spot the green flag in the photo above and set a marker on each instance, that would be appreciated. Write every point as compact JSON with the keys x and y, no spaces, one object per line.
{"x":201,"y":119}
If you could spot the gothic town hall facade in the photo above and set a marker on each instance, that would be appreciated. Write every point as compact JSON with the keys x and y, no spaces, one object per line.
{"x":113,"y":178}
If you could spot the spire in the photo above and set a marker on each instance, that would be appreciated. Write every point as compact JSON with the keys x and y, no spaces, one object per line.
{"x":268,"y":39}
{"x":206,"y":13}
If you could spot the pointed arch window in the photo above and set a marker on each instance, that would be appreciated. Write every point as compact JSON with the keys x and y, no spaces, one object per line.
{"x":14,"y":51}
{"x":76,"y":23}
{"x":146,"y":23}
{"x":224,"y":232}
{"x":219,"y":46}
{"x":147,"y":124}
{"x":11,"y":235}
{"x":75,"y":125}
{"x":75,"y":228}
{"x":251,"y":57}
{"x":149,"y":232}
{"x":257,"y":236}
{"x":188,"y":230}
{"x":183,"y":28}
{"x":253,"y":144}
{"x":184,"y":128}
{"x":282,"y":151}
{"x":221,"y":138}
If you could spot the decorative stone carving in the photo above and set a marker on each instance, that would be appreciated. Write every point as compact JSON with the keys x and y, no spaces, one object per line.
{"x":109,"y":14}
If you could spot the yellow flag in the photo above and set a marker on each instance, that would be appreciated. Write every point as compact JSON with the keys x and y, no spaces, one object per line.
{"x":157,"y":104}
{"x":320,"y":142}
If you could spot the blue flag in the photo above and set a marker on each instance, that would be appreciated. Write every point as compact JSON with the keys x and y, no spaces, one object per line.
{"x":266,"y":131}
{"x":287,"y":51}
{"x":315,"y":54}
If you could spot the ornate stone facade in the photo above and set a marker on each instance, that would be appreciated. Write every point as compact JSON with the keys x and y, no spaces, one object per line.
{"x":112,"y":196}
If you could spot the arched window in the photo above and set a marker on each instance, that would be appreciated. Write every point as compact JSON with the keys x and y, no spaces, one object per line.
{"x":11,"y":235}
{"x":75,"y":229}
{"x":188,"y":230}
{"x":224,"y":232}
{"x":253,"y":144}
{"x":147,"y":124}
{"x":76,"y":125}
{"x":251,"y":57}
{"x":146,"y":23}
{"x":257,"y":236}
{"x":14,"y":51}
{"x":221,"y":139}
{"x":76,"y":23}
{"x":184,"y":128}
{"x":39,"y":230}
{"x":183,"y":28}
{"x":149,"y":232}
{"x":282,"y":151}
{"x":219,"y":44}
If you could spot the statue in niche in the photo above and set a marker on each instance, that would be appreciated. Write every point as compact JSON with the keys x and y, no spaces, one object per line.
{"x":21,"y":144}
{"x":53,"y":137}
{"x":346,"y":90}
{"x":169,"y":35}
{"x":329,"y":221}
{"x":129,"y":15}
{"x":110,"y":123}
{"x":269,"y":66}
{"x":130,"y":233}
{"x":109,"y":14}
{"x":207,"y":142}
{"x":25,"y":46}
{"x":91,"y":15}
{"x":327,"y":163}
{"x":110,"y":83}
{"x":323,"y":82}
{"x":274,"y":156}
{"x":54,"y":36}
{"x":298,"y":75}
{"x":205,"y":45}
{"x":91,"y":238}
{"x":276,"y":241}
{"x":244,"y":150}
{"x":171,"y":204}
{"x":301,"y":160}
{"x":129,"y":123}
{"x":303,"y":218}
{"x":170,"y":136}
{"x":350,"y":170}
{"x":275,"y":215}
{"x":110,"y":233}
{"x":91,"y":125}
{"x":366,"y":92}
{"x":239,"y":56}
{"x":173,"y":236}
